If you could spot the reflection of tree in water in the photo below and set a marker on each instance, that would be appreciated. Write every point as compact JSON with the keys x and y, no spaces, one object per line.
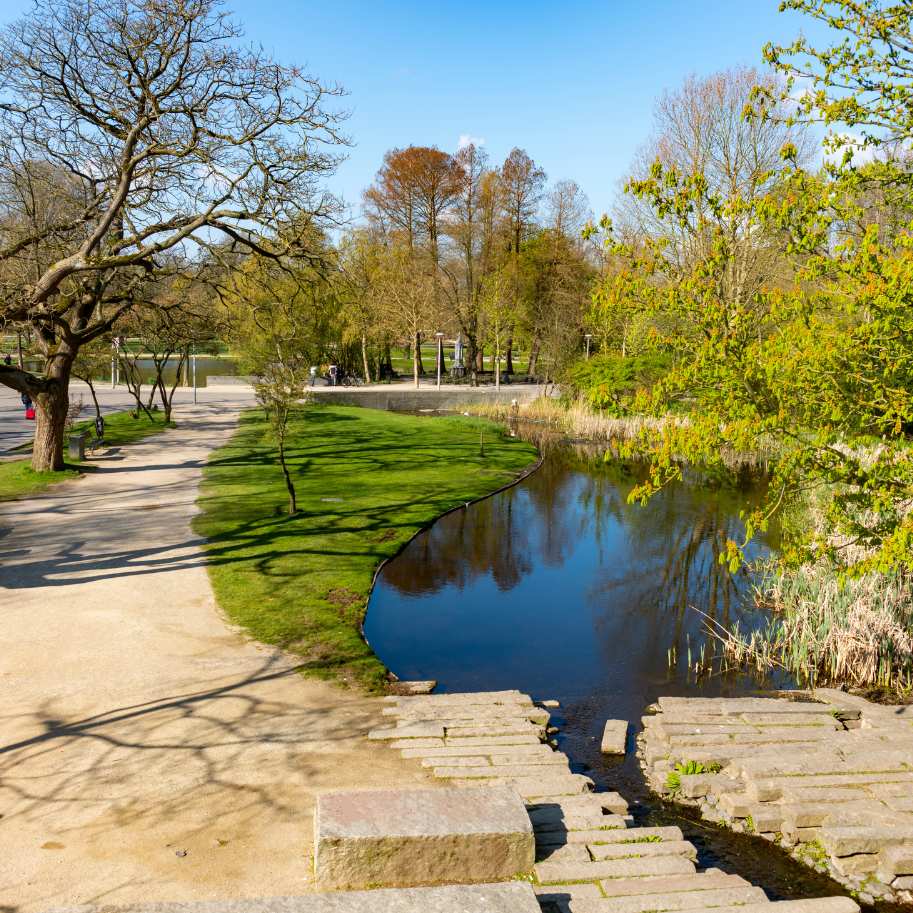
{"x":651,"y":563}
{"x":487,"y":539}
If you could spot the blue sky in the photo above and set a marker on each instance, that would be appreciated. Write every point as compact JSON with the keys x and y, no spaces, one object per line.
{"x":571,"y":82}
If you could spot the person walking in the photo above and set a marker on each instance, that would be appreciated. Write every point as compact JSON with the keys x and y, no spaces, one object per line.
{"x":334,"y":373}
{"x":7,"y":359}
{"x":28,"y":406}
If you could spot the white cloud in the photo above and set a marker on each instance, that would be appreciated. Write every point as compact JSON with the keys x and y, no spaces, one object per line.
{"x":467,"y":140}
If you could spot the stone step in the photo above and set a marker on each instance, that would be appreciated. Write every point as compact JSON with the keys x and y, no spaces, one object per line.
{"x":410,"y":837}
{"x":710,"y":880}
{"x":556,"y":873}
{"x":609,"y":802}
{"x":533,"y":787}
{"x":620,"y":835}
{"x":503,"y":770}
{"x":729,"y":706}
{"x":775,"y":736}
{"x":447,"y":716}
{"x":574,"y":829}
{"x":814,"y":905}
{"x":849,"y":840}
{"x":642,"y":850}
{"x":526,"y":738}
{"x":565,"y":898}
{"x":645,"y":903}
{"x":499,"y":763}
{"x":485,"y":698}
{"x":512,"y":897}
{"x":697,"y":785}
{"x":443,"y":750}
{"x":502,"y":729}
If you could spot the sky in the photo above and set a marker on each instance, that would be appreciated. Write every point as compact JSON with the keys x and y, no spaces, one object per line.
{"x":573,"y":82}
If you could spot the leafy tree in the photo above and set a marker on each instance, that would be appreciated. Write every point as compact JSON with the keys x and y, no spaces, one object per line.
{"x":168,"y":134}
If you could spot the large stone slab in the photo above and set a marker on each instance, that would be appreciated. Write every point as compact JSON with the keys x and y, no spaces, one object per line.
{"x":515,"y":897}
{"x":614,"y":736}
{"x":392,"y":837}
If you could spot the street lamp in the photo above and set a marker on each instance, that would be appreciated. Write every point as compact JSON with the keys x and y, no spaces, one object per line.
{"x":588,"y":337}
{"x":440,"y":356}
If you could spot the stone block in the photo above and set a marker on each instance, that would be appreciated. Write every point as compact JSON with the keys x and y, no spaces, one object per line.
{"x":533,"y":787}
{"x":811,"y":905}
{"x":397,"y":838}
{"x":660,"y":903}
{"x":514,"y":897}
{"x":408,"y":731}
{"x":895,"y":860}
{"x":555,"y":873}
{"x":711,"y":880}
{"x":596,"y":835}
{"x":527,"y":738}
{"x":614,"y":737}
{"x":847,"y":841}
{"x":643,"y":850}
{"x":566,"y":897}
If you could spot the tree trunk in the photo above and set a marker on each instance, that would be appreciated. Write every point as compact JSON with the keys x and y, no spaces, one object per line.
{"x":417,"y":346}
{"x":51,"y":405}
{"x":364,"y":358}
{"x":509,"y":356}
{"x":292,"y":500}
{"x":533,"y":357}
{"x":91,"y":387}
{"x":19,"y":348}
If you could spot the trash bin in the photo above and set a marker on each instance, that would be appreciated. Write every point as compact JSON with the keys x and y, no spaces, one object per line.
{"x":76,"y":446}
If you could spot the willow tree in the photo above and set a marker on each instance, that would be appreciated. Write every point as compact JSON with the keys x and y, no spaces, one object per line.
{"x":170,"y":133}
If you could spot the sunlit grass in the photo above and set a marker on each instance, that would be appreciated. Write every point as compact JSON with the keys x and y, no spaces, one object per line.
{"x":367,"y":481}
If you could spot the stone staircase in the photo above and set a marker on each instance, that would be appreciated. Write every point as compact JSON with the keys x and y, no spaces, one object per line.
{"x":509,"y":810}
{"x":590,"y":858}
{"x":831,"y":781}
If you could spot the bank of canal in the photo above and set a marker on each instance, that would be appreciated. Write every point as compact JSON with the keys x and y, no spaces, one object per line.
{"x":560,"y":588}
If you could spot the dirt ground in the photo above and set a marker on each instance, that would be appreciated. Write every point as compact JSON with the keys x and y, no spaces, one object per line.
{"x":148,"y":751}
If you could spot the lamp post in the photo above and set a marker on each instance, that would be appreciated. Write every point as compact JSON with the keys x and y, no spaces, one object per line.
{"x":193,"y":369}
{"x":440,"y":356}
{"x":588,"y":337}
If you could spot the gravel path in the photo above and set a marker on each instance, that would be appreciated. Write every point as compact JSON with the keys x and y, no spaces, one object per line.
{"x":148,"y":750}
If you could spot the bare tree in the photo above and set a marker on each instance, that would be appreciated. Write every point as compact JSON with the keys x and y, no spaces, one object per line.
{"x":171,"y":134}
{"x":701,"y":130}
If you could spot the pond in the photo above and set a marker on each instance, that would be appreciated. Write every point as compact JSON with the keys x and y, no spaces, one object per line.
{"x":560,"y":588}
{"x":207,"y":365}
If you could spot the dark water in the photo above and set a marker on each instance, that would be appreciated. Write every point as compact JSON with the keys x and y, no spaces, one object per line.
{"x":560,"y":588}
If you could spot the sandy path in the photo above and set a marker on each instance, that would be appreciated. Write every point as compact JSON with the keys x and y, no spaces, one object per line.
{"x":147,"y":750}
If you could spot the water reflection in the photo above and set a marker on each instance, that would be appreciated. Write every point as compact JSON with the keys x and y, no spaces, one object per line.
{"x":561,"y":588}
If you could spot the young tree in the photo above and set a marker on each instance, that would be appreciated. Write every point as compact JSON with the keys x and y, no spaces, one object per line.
{"x":169,"y":133}
{"x":280,"y":319}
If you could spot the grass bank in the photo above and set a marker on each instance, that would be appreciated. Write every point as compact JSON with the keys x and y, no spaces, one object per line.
{"x":367,"y":481}
{"x":17,"y":480}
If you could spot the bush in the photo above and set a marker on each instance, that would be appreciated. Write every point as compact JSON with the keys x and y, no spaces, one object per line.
{"x":610,"y":383}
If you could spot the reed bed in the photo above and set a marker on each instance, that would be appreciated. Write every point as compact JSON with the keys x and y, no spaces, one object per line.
{"x":577,"y":420}
{"x":829,"y":630}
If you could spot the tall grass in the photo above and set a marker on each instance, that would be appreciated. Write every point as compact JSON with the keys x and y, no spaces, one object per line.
{"x":829,"y":630}
{"x":578,"y":420}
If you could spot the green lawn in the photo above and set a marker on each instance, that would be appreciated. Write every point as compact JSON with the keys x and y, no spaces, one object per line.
{"x":366,"y":481}
{"x":18,"y":481}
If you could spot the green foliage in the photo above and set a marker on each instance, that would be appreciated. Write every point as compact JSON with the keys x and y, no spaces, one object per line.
{"x":366,"y":482}
{"x":611,"y":383}
{"x":687,"y":768}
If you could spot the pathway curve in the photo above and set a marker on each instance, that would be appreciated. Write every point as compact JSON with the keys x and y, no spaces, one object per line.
{"x":147,"y":749}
